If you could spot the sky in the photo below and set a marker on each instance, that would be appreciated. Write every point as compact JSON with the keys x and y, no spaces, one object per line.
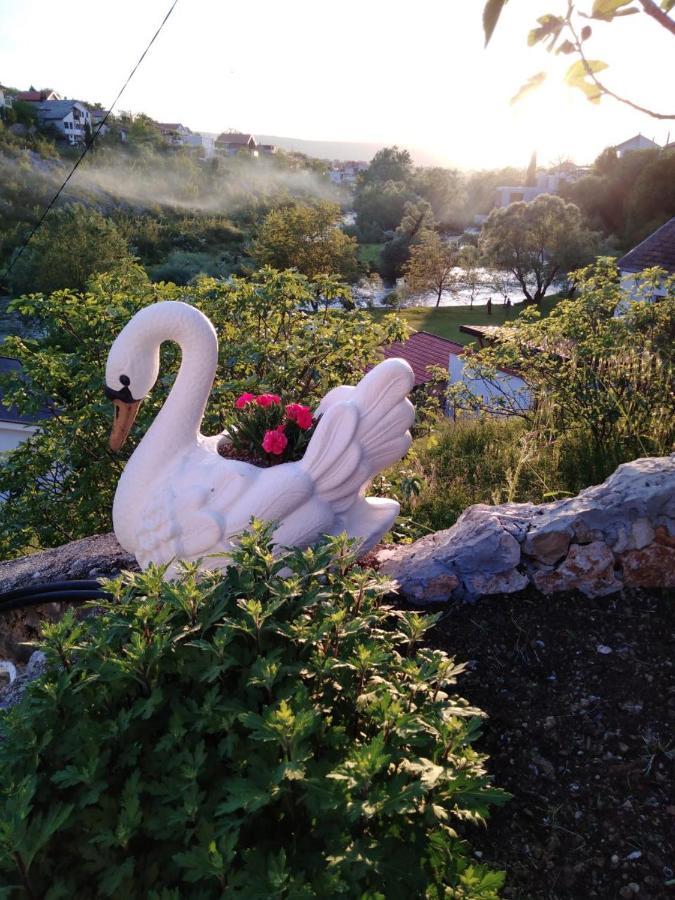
{"x":382,"y":71}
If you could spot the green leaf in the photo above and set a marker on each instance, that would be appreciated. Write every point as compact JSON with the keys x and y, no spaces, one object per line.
{"x":578,"y":76}
{"x":530,"y":85}
{"x":549,"y":27}
{"x":667,"y":5}
{"x":608,"y":9}
{"x":491,"y":13}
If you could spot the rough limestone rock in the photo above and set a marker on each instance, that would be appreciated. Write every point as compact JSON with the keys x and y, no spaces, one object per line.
{"x":90,"y":557}
{"x":619,"y":533}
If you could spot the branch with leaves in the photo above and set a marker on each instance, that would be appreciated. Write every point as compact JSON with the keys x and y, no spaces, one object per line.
{"x":565,"y":34}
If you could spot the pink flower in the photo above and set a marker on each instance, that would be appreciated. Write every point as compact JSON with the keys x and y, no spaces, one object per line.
{"x":301,"y":415}
{"x":267,"y":399}
{"x":243,"y":400}
{"x":275,"y":441}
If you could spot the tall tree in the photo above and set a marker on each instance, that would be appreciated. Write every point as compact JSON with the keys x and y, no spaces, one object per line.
{"x":537,"y":242}
{"x":307,"y":238}
{"x":418,"y":217}
{"x":72,"y":245}
{"x":389,"y":164}
{"x":431,"y":266}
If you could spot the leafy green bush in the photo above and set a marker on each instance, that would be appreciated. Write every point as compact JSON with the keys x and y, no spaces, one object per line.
{"x":59,"y":484}
{"x":244,"y":735}
{"x":472,"y":460}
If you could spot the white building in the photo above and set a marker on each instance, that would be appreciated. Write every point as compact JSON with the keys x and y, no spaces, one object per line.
{"x":69,"y":117}
{"x":14,"y":427}
{"x":638,"y":142}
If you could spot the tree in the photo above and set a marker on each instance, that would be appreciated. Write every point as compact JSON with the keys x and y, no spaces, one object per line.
{"x":307,"y":238}
{"x":583,"y":72}
{"x":72,"y":245}
{"x":531,"y":174}
{"x":537,"y":242}
{"x":443,"y":189}
{"x":417,"y":217}
{"x":59,"y":484}
{"x":389,"y":164}
{"x":472,"y":276}
{"x":431,"y":266}
{"x":379,"y":208}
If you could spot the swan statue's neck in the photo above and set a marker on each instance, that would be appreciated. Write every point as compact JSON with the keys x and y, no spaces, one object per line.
{"x":176,"y":426}
{"x":178,"y":421}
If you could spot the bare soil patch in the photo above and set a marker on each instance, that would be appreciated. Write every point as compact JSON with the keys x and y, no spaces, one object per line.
{"x":580,"y":696}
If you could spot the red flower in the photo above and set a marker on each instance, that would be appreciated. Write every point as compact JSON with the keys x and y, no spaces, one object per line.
{"x":275,"y":441}
{"x":267,"y":399}
{"x":301,"y":415}
{"x":244,"y":400}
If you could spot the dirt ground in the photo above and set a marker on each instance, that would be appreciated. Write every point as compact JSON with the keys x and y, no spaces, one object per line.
{"x":580,"y":696}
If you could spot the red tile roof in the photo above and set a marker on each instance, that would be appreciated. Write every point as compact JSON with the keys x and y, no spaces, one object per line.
{"x":235,"y":138}
{"x":30,"y":96}
{"x":422,"y":350}
{"x":656,"y":250}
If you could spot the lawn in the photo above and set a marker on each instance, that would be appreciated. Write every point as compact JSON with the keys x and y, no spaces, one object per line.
{"x":369,"y":254}
{"x":445,"y":320}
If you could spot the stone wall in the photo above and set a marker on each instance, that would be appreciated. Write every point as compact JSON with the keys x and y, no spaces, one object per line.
{"x":619,"y":533}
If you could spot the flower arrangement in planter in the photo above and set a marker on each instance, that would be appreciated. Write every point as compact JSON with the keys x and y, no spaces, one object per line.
{"x":266,"y":431}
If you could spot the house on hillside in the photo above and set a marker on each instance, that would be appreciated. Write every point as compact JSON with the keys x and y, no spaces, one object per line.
{"x":6,"y":99}
{"x":70,"y":118}
{"x":173,"y":133}
{"x":423,"y":350}
{"x":97,"y":116}
{"x":233,"y":142}
{"x":38,"y":96}
{"x":202,"y":142}
{"x":14,"y":427}
{"x":637,"y":142}
{"x":656,"y":250}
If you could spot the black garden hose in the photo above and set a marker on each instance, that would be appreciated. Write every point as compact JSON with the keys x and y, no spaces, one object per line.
{"x":52,"y":592}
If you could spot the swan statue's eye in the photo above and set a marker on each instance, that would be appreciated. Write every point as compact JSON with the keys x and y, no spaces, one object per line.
{"x":125,"y":380}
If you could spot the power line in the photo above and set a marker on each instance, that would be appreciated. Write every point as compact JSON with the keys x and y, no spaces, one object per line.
{"x":88,"y":146}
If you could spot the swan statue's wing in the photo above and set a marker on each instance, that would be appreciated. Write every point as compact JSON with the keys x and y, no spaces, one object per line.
{"x":362,"y":431}
{"x":185,"y":515}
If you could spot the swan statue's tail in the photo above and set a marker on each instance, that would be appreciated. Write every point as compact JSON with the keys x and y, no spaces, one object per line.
{"x":363,"y":430}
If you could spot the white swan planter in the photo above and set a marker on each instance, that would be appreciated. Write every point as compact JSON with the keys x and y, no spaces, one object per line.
{"x":178,"y":499}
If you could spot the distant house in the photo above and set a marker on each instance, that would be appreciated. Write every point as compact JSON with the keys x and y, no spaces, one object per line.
{"x":546,"y":184}
{"x":201,"y":142}
{"x":70,"y":118}
{"x":97,"y":116}
{"x":267,"y":149}
{"x":423,"y":350}
{"x":6,"y":99}
{"x":656,"y":250}
{"x":38,"y":96}
{"x":232,"y":142}
{"x":638,"y":142}
{"x":173,"y":132}
{"x":14,"y":427}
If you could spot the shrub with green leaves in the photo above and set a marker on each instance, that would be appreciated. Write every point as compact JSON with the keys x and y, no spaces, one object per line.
{"x":245,"y":735}
{"x":59,"y":485}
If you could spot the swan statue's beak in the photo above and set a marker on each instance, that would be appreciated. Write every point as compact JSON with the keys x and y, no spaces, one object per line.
{"x":125,"y":413}
{"x":126,"y":409}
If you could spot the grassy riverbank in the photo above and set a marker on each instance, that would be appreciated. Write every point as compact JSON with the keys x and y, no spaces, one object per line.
{"x":445,"y":320}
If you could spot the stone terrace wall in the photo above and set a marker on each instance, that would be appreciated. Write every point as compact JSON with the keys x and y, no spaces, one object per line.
{"x":619,"y":533}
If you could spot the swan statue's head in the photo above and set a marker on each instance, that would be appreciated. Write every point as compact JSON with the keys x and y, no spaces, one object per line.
{"x":133,"y":367}
{"x":131,"y":371}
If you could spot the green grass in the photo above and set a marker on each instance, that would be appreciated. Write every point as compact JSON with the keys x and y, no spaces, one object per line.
{"x":445,"y":320}
{"x":369,"y":254}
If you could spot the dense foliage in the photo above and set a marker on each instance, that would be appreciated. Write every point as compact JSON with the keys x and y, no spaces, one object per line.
{"x":602,"y":390}
{"x":59,"y":484}
{"x":308,"y":238}
{"x":245,"y":735}
{"x":73,"y":244}
{"x":537,"y":242}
